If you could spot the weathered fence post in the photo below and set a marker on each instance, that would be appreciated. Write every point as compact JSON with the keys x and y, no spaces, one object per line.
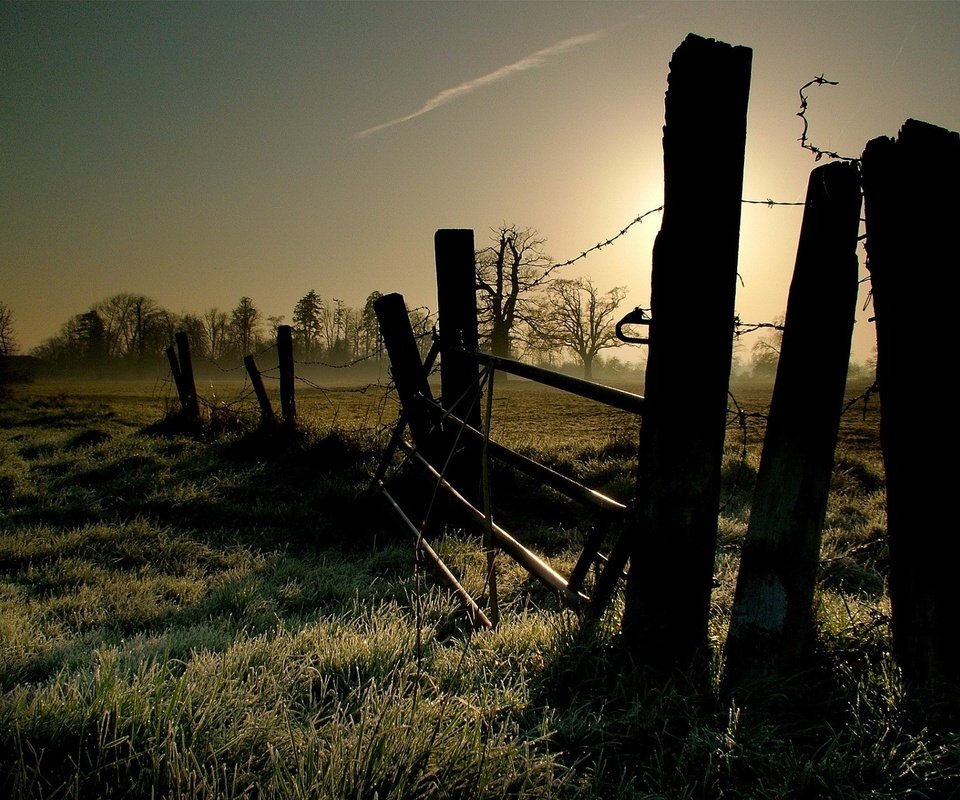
{"x":459,"y":389}
{"x":175,"y":372}
{"x":288,"y":404}
{"x":406,"y":368}
{"x":189,"y":400}
{"x":912,"y":208}
{"x":691,"y":341}
{"x":772,"y":627}
{"x":256,"y":380}
{"x":181,"y":367}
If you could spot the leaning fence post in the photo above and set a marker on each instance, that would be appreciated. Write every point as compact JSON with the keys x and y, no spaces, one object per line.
{"x":688,"y":368}
{"x":772,"y":627}
{"x":459,"y":377}
{"x":175,"y":372}
{"x":182,"y":370}
{"x":912,"y":210}
{"x":288,"y":405}
{"x":256,"y":380}
{"x":406,"y":367}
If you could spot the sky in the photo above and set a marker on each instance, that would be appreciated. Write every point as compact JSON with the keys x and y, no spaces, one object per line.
{"x":198,"y":152}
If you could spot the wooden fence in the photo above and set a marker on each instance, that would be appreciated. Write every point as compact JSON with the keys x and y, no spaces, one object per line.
{"x":669,"y":535}
{"x":668,"y":531}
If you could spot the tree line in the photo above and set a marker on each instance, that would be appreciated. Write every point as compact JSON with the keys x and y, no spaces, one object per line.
{"x":133,"y":328}
{"x":526,"y":310}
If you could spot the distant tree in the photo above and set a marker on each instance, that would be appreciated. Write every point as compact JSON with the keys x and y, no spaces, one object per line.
{"x":765,"y":354}
{"x":372,"y":341}
{"x":196,"y":331}
{"x":274,"y":322}
{"x":91,"y":335}
{"x":573,"y":314}
{"x":308,"y":324}
{"x":8,"y":340}
{"x":335,"y":331}
{"x":216,"y":325}
{"x":136,"y":326}
{"x":244,"y":328}
{"x":422,"y":321}
{"x":508,"y":272}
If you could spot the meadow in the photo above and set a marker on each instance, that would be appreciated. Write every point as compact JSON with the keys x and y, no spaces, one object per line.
{"x":224,"y":612}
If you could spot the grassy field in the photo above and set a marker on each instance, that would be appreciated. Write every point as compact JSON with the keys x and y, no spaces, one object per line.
{"x":223,"y":613}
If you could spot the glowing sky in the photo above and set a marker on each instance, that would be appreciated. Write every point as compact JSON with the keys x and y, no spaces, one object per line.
{"x":199,"y":152}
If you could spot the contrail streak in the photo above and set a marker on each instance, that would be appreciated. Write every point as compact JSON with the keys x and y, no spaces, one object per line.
{"x":532,"y":61}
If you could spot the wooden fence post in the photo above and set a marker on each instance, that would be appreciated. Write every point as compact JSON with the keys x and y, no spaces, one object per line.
{"x":688,"y":369}
{"x":912,"y":210}
{"x":256,"y":380}
{"x":288,"y":404}
{"x":772,"y":629}
{"x":175,"y":372}
{"x":188,"y":386}
{"x":406,"y":368}
{"x":181,"y":367}
{"x":459,"y":390}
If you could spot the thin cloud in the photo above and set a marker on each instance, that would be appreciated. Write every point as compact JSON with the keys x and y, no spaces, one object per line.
{"x":532,"y":61}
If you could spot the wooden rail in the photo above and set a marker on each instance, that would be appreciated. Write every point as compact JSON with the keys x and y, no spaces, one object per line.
{"x":617,"y":398}
{"x":531,"y":562}
{"x":555,"y":480}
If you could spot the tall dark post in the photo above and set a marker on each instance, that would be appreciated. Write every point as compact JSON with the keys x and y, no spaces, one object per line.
{"x":406,"y":367}
{"x":288,"y":404}
{"x":912,"y":208}
{"x":188,"y":397}
{"x":688,"y":369}
{"x":256,"y":380}
{"x":457,"y":311}
{"x":772,"y":628}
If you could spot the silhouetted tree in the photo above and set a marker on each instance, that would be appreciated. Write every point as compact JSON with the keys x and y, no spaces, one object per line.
{"x":508,"y":271}
{"x":8,"y":341}
{"x":92,"y":337}
{"x":216,"y":325}
{"x":372,"y":341}
{"x":766,"y":351}
{"x":196,"y":331}
{"x":573,"y":314}
{"x":335,"y":331}
{"x":244,"y":329}
{"x":135,"y":325}
{"x":308,"y":323}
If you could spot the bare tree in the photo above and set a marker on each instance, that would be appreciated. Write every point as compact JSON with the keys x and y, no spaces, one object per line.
{"x":135,"y":325}
{"x":766,"y":351}
{"x":8,"y":341}
{"x":216,"y":324}
{"x":196,"y":331}
{"x":507,"y":273}
{"x":574,"y":314}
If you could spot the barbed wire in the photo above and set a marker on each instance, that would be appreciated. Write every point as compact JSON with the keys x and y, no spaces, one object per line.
{"x":347,"y":365}
{"x":770,"y":202}
{"x":872,"y":389}
{"x":600,"y":245}
{"x":241,"y":365}
{"x":804,"y":140}
{"x":743,"y":328}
